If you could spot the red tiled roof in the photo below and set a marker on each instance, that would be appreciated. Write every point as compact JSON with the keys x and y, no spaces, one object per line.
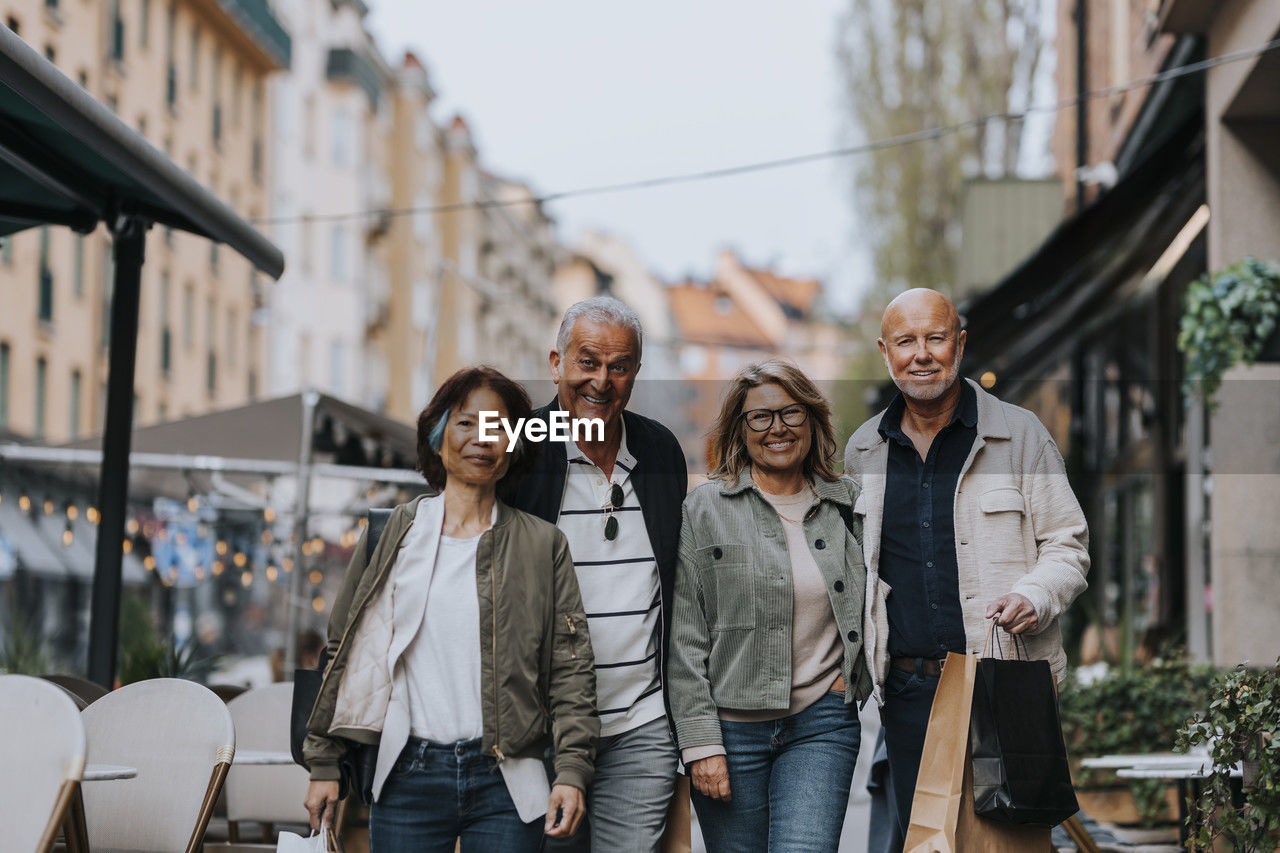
{"x":705,"y":314}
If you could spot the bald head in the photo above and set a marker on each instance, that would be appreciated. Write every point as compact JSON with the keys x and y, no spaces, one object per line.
{"x":920,"y":302}
{"x":922,"y":344}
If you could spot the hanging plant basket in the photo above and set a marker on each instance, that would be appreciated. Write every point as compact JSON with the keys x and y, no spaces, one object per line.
{"x":1229,"y":317}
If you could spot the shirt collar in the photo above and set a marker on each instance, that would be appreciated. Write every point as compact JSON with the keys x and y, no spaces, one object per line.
{"x":572,"y":451}
{"x":824,"y":489}
{"x":966,"y":412}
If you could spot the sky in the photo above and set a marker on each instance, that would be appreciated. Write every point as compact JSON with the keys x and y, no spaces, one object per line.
{"x":574,"y":94}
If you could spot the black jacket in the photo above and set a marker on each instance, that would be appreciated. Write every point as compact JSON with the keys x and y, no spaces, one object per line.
{"x":660,"y":479}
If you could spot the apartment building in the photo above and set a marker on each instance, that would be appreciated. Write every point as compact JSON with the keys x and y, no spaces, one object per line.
{"x":192,"y":77}
{"x":334,"y":115}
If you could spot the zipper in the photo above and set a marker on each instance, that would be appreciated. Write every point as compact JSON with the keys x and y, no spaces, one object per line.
{"x":497,"y":712}
{"x":573,"y":634}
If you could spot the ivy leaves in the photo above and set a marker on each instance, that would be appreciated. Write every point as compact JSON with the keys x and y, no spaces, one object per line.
{"x":1226,"y":320}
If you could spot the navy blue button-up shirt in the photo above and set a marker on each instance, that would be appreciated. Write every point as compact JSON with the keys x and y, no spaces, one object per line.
{"x":918,"y":542}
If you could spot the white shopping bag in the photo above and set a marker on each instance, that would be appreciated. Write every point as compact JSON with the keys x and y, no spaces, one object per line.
{"x":317,"y":842}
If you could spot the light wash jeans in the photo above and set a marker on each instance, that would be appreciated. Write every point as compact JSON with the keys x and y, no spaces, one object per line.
{"x":789,"y":781}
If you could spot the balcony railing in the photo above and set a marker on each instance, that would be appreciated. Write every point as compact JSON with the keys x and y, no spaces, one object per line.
{"x":354,"y":66}
{"x":261,"y":25}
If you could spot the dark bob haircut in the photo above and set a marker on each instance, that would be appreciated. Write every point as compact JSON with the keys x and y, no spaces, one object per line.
{"x":452,"y":394}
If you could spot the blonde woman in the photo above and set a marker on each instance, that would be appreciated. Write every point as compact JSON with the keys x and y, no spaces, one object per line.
{"x":766,"y":656}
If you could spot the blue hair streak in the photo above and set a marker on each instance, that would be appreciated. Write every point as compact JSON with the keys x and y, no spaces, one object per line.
{"x":435,"y":438}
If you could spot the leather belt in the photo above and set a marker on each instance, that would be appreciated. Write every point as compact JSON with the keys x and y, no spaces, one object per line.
{"x":928,"y":666}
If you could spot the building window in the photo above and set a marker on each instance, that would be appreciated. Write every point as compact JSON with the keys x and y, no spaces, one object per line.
{"x":6,"y":250}
{"x":341,"y":141}
{"x":213,"y":256}
{"x":338,"y":247}
{"x":108,"y":290}
{"x":50,"y":54}
{"x":233,"y":343}
{"x":75,"y":405}
{"x":309,"y":126}
{"x":188,"y":317}
{"x":116,"y":34}
{"x":12,"y":23}
{"x":166,"y":328}
{"x":42,"y":377}
{"x":79,"y":266}
{"x":211,"y":359}
{"x":144,"y":23}
{"x":4,"y":386}
{"x":193,"y":68}
{"x":170,"y":36}
{"x":337,"y":368}
{"x":217,"y":95}
{"x":237,"y":96}
{"x":51,"y":4}
{"x":45,"y":279}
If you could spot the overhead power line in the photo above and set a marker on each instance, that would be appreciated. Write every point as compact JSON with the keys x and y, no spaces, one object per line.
{"x":797,"y":159}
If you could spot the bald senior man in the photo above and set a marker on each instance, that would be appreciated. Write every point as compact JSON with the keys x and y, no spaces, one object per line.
{"x":967,"y":516}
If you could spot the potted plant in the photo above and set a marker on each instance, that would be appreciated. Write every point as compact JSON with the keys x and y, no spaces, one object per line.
{"x":1129,"y":712}
{"x":1240,"y":725}
{"x":1229,"y":317}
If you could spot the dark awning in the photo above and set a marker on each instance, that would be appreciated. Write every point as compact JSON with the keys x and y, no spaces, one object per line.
{"x":1088,"y":268}
{"x":67,"y":159}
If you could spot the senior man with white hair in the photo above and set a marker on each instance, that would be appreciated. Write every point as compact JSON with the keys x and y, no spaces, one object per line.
{"x":617,"y":499}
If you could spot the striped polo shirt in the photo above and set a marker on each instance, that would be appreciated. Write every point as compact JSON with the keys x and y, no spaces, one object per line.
{"x":621,"y":592}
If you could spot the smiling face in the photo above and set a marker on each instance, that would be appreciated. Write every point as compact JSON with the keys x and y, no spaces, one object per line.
{"x":465,"y":457}
{"x":596,"y":372}
{"x":922,"y":344}
{"x":781,"y":449}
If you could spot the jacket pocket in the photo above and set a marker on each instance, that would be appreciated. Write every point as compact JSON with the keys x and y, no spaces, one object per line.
{"x":728,"y":586}
{"x":570,"y":631}
{"x":1000,"y":533}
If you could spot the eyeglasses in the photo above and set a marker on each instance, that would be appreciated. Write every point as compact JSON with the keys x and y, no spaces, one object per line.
{"x":611,"y":520}
{"x":761,"y":420}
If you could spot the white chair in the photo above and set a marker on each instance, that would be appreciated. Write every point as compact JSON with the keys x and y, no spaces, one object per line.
{"x":180,"y":738}
{"x":42,"y":748}
{"x":264,"y":794}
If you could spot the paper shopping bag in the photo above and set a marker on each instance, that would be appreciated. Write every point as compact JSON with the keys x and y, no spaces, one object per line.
{"x":942,"y":817}
{"x":677,"y":836}
{"x":935,"y":808}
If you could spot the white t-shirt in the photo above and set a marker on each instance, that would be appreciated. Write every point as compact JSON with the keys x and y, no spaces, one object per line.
{"x":442,"y":663}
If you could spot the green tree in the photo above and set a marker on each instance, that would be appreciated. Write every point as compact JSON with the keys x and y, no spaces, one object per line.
{"x":910,"y":65}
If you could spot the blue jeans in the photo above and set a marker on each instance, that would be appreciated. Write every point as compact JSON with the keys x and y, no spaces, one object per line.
{"x":908,"y":698}
{"x":438,"y":793}
{"x":789,"y":781}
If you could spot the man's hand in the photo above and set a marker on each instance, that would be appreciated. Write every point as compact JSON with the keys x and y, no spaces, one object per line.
{"x":565,"y":808}
{"x":322,"y":803}
{"x":1015,"y":613}
{"x":710,"y":776}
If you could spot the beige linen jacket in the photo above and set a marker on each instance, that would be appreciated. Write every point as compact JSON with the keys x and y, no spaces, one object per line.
{"x":1018,"y":527}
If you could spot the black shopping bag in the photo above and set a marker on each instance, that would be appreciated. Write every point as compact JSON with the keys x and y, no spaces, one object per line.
{"x":1020,"y":772}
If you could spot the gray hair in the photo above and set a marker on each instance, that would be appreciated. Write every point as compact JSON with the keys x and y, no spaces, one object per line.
{"x":602,"y":309}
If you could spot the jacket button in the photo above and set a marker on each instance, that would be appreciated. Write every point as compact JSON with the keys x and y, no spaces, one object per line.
{"x":839,"y":585}
{"x":853,"y":636}
{"x":717,"y":553}
{"x":820,"y":544}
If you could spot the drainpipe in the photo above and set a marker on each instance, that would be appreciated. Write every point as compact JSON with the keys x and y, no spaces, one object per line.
{"x":1082,"y":106}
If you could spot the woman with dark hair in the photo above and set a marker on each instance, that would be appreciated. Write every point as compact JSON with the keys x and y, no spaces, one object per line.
{"x":461,"y":650}
{"x":766,"y":654}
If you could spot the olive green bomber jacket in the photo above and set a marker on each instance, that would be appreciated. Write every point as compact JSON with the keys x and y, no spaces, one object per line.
{"x":537,"y":676}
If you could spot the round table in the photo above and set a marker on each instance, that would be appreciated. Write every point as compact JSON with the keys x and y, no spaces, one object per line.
{"x":104,"y":772}
{"x":261,"y":757}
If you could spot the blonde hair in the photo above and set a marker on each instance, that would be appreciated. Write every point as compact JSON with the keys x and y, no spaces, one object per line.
{"x":729,"y":447}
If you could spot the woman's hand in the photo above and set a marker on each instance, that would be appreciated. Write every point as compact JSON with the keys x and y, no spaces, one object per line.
{"x":322,"y":803}
{"x":565,"y":808}
{"x":711,"y":777}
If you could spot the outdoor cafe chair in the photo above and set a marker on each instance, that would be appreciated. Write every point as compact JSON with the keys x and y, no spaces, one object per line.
{"x":270,"y":794}
{"x":42,"y":748}
{"x":83,"y":689}
{"x":180,"y":738}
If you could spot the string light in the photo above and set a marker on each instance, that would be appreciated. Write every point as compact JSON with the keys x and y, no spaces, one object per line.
{"x":217,"y":568}
{"x":131,"y":527}
{"x":269,"y":515}
{"x":272,"y":573}
{"x":315,"y":577}
{"x":240,"y":559}
{"x":24,"y":503}
{"x":92,"y":514}
{"x":149,"y":562}
{"x":127,"y":546}
{"x":48,"y":506}
{"x":67,"y":538}
{"x":221,"y":548}
{"x":317,"y":604}
{"x":287,"y":564}
{"x":73,"y":512}
{"x":246,"y":579}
